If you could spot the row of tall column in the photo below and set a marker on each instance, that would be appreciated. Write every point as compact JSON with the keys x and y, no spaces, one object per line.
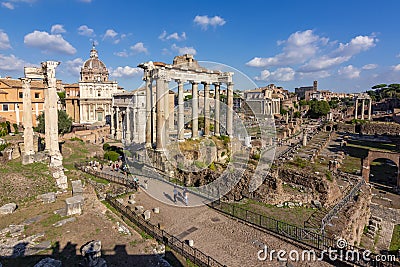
{"x":162,"y":106}
{"x":363,"y":108}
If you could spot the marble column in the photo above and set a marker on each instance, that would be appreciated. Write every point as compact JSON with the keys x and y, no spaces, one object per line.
{"x":217,"y":110}
{"x":27,"y":117}
{"x":148,"y":111}
{"x":369,"y":108}
{"x":160,"y":113}
{"x":229,"y":111}
{"x":356,"y":109}
{"x":166,"y":111}
{"x":46,"y":120}
{"x":118,"y":129}
{"x":362,"y":109}
{"x":113,"y":125}
{"x":52,"y":112}
{"x":206,"y":109}
{"x":181,"y":114}
{"x":195,"y":110}
{"x":128,"y":125}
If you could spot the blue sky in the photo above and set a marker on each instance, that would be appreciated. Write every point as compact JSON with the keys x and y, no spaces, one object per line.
{"x":347,"y":46}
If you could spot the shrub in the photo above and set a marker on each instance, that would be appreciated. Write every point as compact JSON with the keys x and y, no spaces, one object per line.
{"x":76,"y":139}
{"x":111,"y":155}
{"x":106,"y":147}
{"x":15,"y":126}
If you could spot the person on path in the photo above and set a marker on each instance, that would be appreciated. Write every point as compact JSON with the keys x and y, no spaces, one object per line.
{"x":185,"y":196}
{"x":175,"y":193}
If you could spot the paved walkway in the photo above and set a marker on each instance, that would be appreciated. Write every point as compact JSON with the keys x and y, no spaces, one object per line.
{"x":228,"y":241}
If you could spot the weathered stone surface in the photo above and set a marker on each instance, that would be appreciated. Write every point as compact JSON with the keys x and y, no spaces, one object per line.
{"x":62,"y":222}
{"x":8,"y":208}
{"x":48,"y":197}
{"x":74,"y":205}
{"x":139,"y":209}
{"x":147,"y":215}
{"x":191,"y":242}
{"x":131,"y":201}
{"x":48,"y":262}
{"x":92,"y":248}
{"x":77,"y":188}
{"x":156,"y":210}
{"x":123,"y":229}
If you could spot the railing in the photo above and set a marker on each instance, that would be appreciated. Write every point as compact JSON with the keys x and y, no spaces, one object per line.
{"x":193,"y":254}
{"x":334,"y":211}
{"x":308,"y":237}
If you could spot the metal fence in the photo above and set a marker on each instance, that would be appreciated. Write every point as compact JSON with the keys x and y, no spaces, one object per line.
{"x":193,"y":254}
{"x":308,"y":237}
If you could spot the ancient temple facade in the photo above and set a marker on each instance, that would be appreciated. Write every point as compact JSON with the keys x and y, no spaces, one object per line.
{"x":96,"y":91}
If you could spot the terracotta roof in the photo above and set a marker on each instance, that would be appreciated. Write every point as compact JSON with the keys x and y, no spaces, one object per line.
{"x":18,"y":83}
{"x":71,"y":85}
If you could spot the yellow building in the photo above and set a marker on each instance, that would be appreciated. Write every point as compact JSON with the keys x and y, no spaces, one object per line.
{"x":72,"y":101}
{"x":11,"y":96}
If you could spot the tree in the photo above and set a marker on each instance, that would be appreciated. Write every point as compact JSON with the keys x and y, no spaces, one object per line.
{"x":318,"y":109}
{"x":61,"y":95}
{"x":64,"y":123}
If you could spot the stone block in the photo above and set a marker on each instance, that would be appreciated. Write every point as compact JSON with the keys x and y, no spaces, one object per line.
{"x":62,"y":222}
{"x":131,"y":201}
{"x":190,"y":242}
{"x":48,"y":197}
{"x":92,"y":248}
{"x":139,"y":209}
{"x":146,"y":215}
{"x":132,"y":196}
{"x":161,"y":226}
{"x":74,"y":205}
{"x":48,"y":262}
{"x":8,"y":208}
{"x":77,"y":188}
{"x":156,"y":210}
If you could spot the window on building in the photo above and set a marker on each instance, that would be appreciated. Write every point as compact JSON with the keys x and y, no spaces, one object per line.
{"x":37,"y":95}
{"x":5,"y":107}
{"x":20,"y":95}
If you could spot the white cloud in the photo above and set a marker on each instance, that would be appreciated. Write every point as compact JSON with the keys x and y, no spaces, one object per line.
{"x":57,"y":28}
{"x":139,"y":48}
{"x":397,"y":67}
{"x":11,"y":4}
{"x":74,"y":66}
{"x":8,"y":5}
{"x":4,"y":41}
{"x":126,"y":72}
{"x":11,"y":63}
{"x":165,"y":36}
{"x":298,"y":48}
{"x":205,"y":21}
{"x":49,"y":43}
{"x":85,"y":31}
{"x":280,"y":75}
{"x":369,"y":66}
{"x":121,"y":54}
{"x":349,"y":72}
{"x":184,"y":50}
{"x":340,"y":55}
{"x":110,"y":33}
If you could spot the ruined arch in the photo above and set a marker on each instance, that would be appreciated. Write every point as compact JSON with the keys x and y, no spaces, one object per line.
{"x":373,"y":155}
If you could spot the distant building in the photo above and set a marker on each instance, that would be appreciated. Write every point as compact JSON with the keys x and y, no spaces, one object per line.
{"x":72,"y":101}
{"x":96,"y":91}
{"x":11,"y":96}
{"x":262,"y":100}
{"x":305,"y":92}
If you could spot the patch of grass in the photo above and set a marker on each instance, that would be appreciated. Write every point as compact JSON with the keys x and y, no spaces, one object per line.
{"x":96,"y":179}
{"x":49,"y":221}
{"x":395,"y":243}
{"x":328,"y":176}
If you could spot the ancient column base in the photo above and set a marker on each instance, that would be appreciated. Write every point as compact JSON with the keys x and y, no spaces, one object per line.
{"x":56,"y":160}
{"x":27,"y":159}
{"x":61,"y":178}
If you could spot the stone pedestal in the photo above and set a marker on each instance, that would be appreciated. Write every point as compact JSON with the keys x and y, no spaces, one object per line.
{"x":146,"y":215}
{"x":77,"y":189}
{"x":74,"y":205}
{"x":48,"y":197}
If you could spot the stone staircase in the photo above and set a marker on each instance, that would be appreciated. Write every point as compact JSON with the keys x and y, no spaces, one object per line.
{"x":314,"y":221}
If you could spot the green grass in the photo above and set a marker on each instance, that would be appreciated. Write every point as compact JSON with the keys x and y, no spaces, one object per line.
{"x":49,"y":221}
{"x":372,"y":145}
{"x":395,"y":243}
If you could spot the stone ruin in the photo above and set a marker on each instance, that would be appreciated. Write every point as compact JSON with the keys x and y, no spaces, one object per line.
{"x":47,"y":74}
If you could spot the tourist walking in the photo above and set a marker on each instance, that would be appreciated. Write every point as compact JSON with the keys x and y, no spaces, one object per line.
{"x":175,"y":193}
{"x":185,"y":196}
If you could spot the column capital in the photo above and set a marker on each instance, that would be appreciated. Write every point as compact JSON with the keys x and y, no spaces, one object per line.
{"x":25,"y":79}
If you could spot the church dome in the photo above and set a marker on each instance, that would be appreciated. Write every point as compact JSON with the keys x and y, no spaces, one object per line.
{"x":94,"y":69}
